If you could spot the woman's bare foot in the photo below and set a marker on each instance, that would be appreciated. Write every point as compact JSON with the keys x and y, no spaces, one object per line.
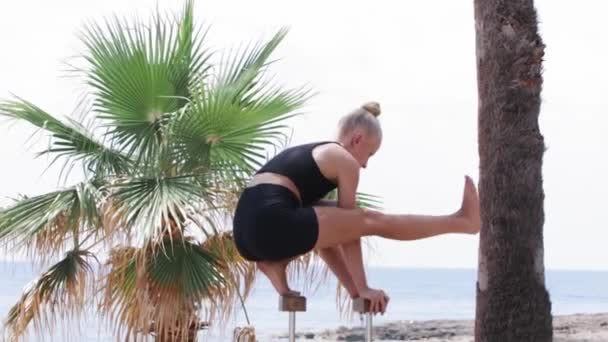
{"x":470,"y":207}
{"x":276,"y":273}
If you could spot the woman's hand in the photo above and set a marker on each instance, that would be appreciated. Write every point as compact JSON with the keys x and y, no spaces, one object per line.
{"x":378,"y":299}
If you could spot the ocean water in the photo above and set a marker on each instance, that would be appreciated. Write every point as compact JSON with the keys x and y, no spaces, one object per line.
{"x":416,"y":294}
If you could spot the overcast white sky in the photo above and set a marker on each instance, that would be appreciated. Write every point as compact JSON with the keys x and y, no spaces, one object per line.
{"x":415,"y":57}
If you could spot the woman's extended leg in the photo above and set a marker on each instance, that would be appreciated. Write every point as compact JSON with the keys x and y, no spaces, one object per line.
{"x":338,"y":226}
{"x":346,"y":226}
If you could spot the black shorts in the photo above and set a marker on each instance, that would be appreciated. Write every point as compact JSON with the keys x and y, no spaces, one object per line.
{"x":269,"y":224}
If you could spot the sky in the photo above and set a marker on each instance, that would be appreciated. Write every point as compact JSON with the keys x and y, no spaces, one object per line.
{"x":417,"y":58}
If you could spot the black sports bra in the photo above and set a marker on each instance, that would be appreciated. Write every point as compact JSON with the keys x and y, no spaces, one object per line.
{"x":298,"y":164}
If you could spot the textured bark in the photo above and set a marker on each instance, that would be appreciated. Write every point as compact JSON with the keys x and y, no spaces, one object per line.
{"x":512,"y":302}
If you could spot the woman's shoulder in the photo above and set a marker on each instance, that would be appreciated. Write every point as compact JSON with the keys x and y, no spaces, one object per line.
{"x":333,"y":153}
{"x":329,"y":147}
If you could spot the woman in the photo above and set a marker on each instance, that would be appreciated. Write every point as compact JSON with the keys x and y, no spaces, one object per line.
{"x":280,"y":215}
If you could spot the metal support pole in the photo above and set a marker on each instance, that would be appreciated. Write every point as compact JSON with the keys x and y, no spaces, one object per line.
{"x":292,"y":304}
{"x":368,"y":327}
{"x":292,"y":326}
{"x":362,"y":306}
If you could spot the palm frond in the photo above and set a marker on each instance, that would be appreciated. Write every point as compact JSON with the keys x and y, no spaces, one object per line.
{"x":59,"y":294}
{"x":239,"y":273}
{"x":183,"y":138}
{"x":238,"y":75}
{"x":159,"y":289}
{"x":310,"y":268}
{"x":234,"y":120}
{"x":181,"y":276}
{"x":44,"y":224}
{"x":369,"y":201}
{"x":363,"y":200}
{"x":121,"y":299}
{"x":70,"y":140}
{"x":140,"y":72}
{"x":158,"y":207}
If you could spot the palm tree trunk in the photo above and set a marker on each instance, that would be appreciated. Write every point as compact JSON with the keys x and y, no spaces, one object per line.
{"x":512,"y":301}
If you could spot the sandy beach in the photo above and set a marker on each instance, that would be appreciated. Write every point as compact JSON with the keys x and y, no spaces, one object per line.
{"x":568,"y":328}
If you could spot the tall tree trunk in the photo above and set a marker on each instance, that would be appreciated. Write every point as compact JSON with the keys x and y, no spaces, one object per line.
{"x":512,"y":301}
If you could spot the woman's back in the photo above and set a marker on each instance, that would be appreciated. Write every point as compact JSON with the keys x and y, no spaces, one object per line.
{"x":298,"y":164}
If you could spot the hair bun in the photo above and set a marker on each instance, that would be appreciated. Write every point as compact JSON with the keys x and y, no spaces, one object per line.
{"x":373,"y":108}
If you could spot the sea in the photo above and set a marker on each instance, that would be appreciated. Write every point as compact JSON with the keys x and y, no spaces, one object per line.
{"x":416,"y":294}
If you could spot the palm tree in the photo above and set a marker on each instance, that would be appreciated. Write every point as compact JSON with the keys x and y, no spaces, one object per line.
{"x":512,"y":301}
{"x":170,"y":136}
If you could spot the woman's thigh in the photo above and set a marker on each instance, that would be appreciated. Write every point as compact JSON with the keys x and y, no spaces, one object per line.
{"x":339,"y":225}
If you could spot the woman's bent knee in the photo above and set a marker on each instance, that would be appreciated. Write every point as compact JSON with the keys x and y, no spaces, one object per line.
{"x":372,"y":220}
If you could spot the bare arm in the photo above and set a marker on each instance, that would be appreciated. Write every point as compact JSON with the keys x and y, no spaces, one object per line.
{"x":334,"y":258}
{"x":348,"y":180}
{"x":354,"y":261}
{"x":346,"y":171}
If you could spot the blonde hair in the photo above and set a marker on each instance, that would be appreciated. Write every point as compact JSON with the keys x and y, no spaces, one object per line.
{"x":365,"y":117}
